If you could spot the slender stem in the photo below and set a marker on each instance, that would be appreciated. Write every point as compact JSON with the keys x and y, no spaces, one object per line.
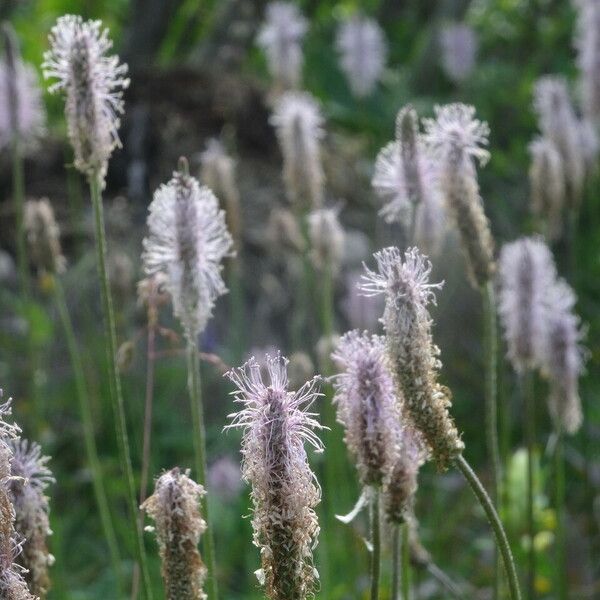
{"x":88,"y":431}
{"x":528,"y":396}
{"x":491,"y":407}
{"x":405,"y":562}
{"x":18,"y":182}
{"x":396,"y":562}
{"x":496,"y":524}
{"x":561,"y":556}
{"x":376,"y":542}
{"x":239,"y":324}
{"x":195,"y":392}
{"x":114,"y":379}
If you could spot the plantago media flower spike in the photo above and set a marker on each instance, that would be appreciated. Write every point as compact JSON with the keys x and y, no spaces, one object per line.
{"x":564,"y":357}
{"x":457,"y":138}
{"x":22,"y":112}
{"x":30,"y":478}
{"x":187,"y":240}
{"x":548,"y":186}
{"x":401,"y":484}
{"x":558,"y":122}
{"x":92,"y":83}
{"x":218,"y":174}
{"x":587,"y":42}
{"x":43,"y":236}
{"x":404,"y":280}
{"x":281,"y":39}
{"x":326,"y":236}
{"x":12,"y":584}
{"x":362,"y":48}
{"x":526,"y":276}
{"x":276,"y":425}
{"x":458,"y":45}
{"x":299,"y":126}
{"x":366,"y":405}
{"x":175,"y":509}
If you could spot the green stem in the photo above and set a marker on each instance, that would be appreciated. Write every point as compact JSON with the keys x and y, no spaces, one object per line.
{"x":405,"y":562}
{"x":396,"y":562}
{"x":88,"y":431}
{"x":195,"y":392}
{"x":376,"y":550}
{"x":18,"y":181}
{"x":561,"y":556}
{"x":528,"y":395}
{"x":490,"y":333}
{"x":496,"y":524}
{"x":239,"y":324}
{"x":116,"y":394}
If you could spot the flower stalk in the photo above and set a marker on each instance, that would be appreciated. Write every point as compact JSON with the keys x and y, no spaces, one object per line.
{"x":376,"y":542}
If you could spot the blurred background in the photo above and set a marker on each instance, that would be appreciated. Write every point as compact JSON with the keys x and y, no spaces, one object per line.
{"x":196,"y":74}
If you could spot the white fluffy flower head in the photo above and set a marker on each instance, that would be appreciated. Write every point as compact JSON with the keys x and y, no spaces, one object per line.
{"x":276,"y":424}
{"x":281,"y":37}
{"x":22,"y":110}
{"x":299,"y":126}
{"x":187,"y":240}
{"x":93,"y":84}
{"x":363,"y":51}
{"x":455,"y":129}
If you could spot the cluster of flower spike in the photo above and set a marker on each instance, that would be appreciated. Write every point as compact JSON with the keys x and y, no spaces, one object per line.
{"x":588,"y":59}
{"x":326,"y":236}
{"x":541,"y":329}
{"x":276,"y":425}
{"x":404,"y":280}
{"x":187,"y":241}
{"x":93,"y":84}
{"x":175,"y":509}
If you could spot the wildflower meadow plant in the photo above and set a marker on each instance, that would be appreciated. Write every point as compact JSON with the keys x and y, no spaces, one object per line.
{"x":30,"y":477}
{"x":362,"y":50}
{"x":277,"y":423}
{"x":187,"y":241}
{"x":175,"y":509}
{"x":92,"y":83}
{"x":404,"y":281}
{"x":281,"y":37}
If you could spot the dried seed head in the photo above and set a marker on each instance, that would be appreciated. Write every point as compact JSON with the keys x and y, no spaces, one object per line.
{"x":366,"y":404}
{"x":12,"y":584}
{"x":43,"y":236}
{"x":456,"y":138}
{"x":558,"y":122}
{"x":401,"y":484}
{"x":362,"y":48}
{"x":280,"y":37}
{"x":93,"y":84}
{"x":458,"y":43}
{"x":587,"y":42}
{"x":299,"y":124}
{"x":187,"y":240}
{"x":276,"y":424}
{"x":30,"y":479}
{"x":326,"y":236}
{"x":218,"y":173}
{"x":548,"y":186}
{"x":404,"y":280}
{"x":526,"y":276}
{"x":175,"y":509}
{"x":22,"y":110}
{"x":563,"y":360}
